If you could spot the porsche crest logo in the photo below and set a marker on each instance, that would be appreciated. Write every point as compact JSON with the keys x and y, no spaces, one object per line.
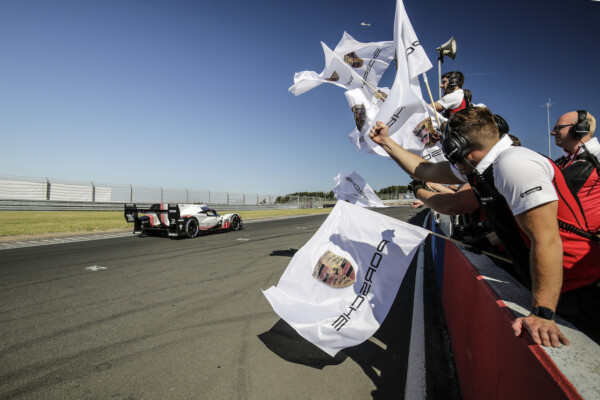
{"x":334,"y":270}
{"x":425,"y":132}
{"x":334,"y":77}
{"x":353,"y":60}
{"x":360,"y":115}
{"x":381,"y":95}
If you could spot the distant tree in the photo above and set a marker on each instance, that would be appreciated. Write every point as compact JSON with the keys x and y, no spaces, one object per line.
{"x":287,"y":197}
{"x":392,"y":190}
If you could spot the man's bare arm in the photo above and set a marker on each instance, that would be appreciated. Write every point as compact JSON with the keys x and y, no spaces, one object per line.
{"x":414,"y":165}
{"x":455,"y":203}
{"x":541,"y":226}
{"x":438,"y":187}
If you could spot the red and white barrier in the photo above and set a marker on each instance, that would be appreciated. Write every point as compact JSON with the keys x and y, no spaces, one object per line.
{"x":480,"y":304}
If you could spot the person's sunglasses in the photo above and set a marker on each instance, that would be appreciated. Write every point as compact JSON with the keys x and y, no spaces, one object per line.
{"x":559,"y":127}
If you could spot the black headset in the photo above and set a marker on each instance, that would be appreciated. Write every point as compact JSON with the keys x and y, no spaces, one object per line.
{"x":502,"y":124}
{"x":456,"y":148}
{"x":581,"y":127}
{"x":453,"y":79}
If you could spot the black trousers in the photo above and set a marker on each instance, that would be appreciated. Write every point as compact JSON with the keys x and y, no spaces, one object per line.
{"x":581,"y":307}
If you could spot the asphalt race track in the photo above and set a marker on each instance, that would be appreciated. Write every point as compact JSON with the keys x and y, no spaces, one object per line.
{"x":157,"y":318}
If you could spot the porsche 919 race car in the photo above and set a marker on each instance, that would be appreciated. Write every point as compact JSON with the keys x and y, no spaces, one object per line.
{"x":180,"y":220}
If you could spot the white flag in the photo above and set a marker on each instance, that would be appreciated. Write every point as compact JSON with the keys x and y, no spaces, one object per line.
{"x":339,"y":287}
{"x":404,"y":107}
{"x":354,"y":189}
{"x":434,"y":154}
{"x":365,"y":111}
{"x":431,"y":138}
{"x":349,"y":65}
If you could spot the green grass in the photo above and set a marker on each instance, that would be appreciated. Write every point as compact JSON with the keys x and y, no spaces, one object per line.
{"x":32,"y":223}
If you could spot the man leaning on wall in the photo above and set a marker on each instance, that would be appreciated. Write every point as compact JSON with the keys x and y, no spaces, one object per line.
{"x":514,"y":187}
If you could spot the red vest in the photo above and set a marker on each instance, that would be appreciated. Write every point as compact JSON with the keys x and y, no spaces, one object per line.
{"x":461,"y":106}
{"x":583,"y":180}
{"x":580,"y":255}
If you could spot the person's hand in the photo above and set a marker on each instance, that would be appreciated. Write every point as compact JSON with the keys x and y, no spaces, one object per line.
{"x":543,"y":331}
{"x":417,"y":204}
{"x":379,"y":132}
{"x":477,"y":244}
{"x":415,"y":185}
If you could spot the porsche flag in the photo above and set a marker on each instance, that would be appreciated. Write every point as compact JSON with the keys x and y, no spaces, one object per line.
{"x":404,"y":108}
{"x":364,"y":110}
{"x":339,"y":287}
{"x":354,"y":189}
{"x":349,"y":65}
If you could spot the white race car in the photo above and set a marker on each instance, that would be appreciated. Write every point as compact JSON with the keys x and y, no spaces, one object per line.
{"x":180,"y":220}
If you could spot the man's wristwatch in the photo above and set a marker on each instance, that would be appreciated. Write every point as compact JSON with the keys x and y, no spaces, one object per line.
{"x":543,"y":312}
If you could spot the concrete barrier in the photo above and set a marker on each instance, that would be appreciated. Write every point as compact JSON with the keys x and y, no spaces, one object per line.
{"x":480,"y":301}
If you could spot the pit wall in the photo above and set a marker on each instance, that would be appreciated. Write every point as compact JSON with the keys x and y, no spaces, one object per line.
{"x":480,"y":301}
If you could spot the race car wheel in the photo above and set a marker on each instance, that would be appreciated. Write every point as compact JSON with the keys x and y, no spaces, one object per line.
{"x":191,"y":228}
{"x":235,"y":223}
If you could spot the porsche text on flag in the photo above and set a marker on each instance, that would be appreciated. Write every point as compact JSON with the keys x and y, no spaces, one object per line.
{"x":404,"y":108}
{"x":349,"y":66}
{"x":353,"y":188}
{"x":339,"y":287}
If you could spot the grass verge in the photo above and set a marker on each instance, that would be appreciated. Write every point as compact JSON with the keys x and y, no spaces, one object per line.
{"x":22,"y":224}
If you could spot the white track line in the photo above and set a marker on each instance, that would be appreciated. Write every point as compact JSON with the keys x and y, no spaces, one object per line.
{"x":416,"y":374}
{"x":71,"y":239}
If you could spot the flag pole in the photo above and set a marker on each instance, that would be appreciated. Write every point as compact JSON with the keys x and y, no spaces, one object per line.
{"x":432,"y":102}
{"x":487,"y":253}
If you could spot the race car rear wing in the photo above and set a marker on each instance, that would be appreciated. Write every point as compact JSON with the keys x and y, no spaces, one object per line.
{"x":132,"y":214}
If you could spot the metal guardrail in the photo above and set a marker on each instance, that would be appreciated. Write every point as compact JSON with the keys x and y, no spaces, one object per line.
{"x":50,"y":189}
{"x":46,"y":194}
{"x":49,"y":205}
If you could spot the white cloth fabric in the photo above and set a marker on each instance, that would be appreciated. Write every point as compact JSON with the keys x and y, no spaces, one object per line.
{"x":354,"y":189}
{"x":434,"y":154}
{"x":350,"y":307}
{"x":365,"y":110}
{"x":404,"y":107}
{"x":593,"y":146}
{"x":522,"y":176}
{"x":452,"y":100}
{"x":349,"y":65}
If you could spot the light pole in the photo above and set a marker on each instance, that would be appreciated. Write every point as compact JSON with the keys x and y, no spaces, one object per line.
{"x":548,"y":105}
{"x":447,"y":49}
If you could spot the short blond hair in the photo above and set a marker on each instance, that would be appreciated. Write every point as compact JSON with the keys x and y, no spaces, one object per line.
{"x":477,"y":125}
{"x":592,"y":122}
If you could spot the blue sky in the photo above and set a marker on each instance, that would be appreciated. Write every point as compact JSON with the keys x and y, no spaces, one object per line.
{"x":193,"y":94}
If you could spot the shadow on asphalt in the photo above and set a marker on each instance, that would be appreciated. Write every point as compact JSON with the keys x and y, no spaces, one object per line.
{"x":384,"y":358}
{"x":284,"y":253}
{"x":284,"y":341}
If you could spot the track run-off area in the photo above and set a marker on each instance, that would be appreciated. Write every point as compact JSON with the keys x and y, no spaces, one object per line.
{"x":130,"y":317}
